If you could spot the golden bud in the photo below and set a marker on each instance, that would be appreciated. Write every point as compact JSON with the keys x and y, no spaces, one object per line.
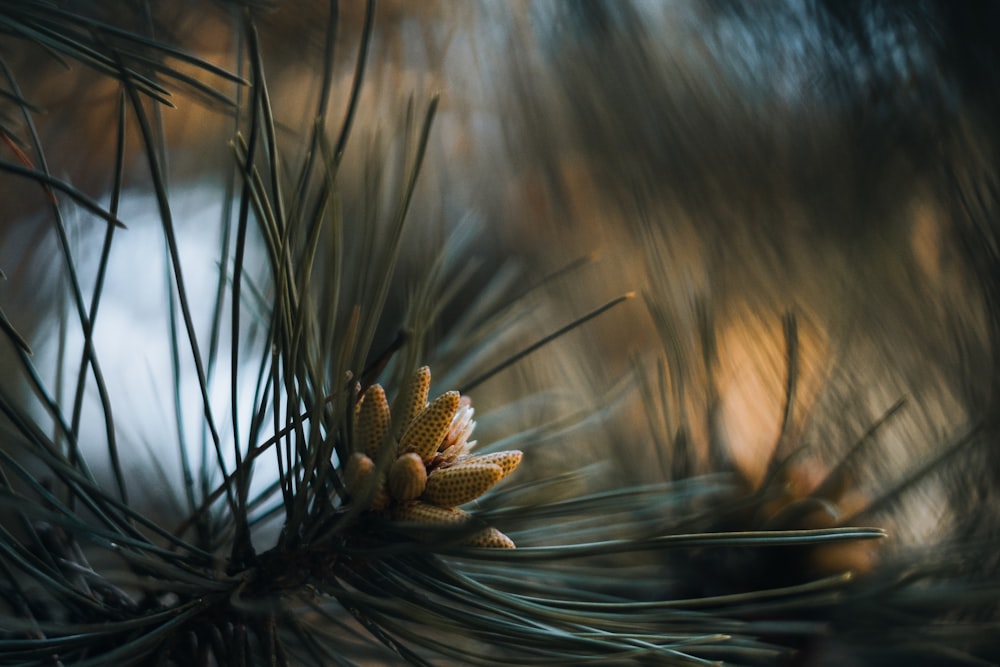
{"x":430,"y":515}
{"x":411,"y":400}
{"x":461,"y":483}
{"x":359,"y":477}
{"x":427,"y":430}
{"x":372,"y":422}
{"x":358,"y":474}
{"x":407,"y":477}
{"x":508,"y":460}
{"x":491,"y":538}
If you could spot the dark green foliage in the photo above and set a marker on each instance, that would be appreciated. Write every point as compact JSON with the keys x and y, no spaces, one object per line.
{"x":238,"y":567}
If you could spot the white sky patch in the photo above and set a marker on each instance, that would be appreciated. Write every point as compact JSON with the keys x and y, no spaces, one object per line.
{"x":132,"y":340}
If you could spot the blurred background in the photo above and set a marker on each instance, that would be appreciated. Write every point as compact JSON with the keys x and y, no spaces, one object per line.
{"x":802,"y":189}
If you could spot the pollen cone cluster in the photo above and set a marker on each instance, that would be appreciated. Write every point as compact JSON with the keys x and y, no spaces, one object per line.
{"x":430,"y":468}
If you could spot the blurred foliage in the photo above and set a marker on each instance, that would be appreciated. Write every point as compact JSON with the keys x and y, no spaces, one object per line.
{"x":685,"y":571}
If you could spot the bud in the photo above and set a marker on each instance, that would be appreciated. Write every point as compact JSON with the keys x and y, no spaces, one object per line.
{"x":407,"y":477}
{"x":358,"y":474}
{"x":372,"y":423}
{"x":430,"y":515}
{"x":427,"y":430}
{"x":508,"y":460}
{"x":411,"y":400}
{"x":461,"y":483}
{"x":491,"y":538}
